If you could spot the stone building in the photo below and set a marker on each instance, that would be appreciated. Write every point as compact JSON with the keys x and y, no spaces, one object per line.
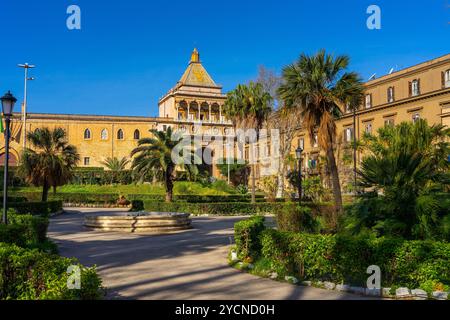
{"x":418,"y":92}
{"x":195,"y":107}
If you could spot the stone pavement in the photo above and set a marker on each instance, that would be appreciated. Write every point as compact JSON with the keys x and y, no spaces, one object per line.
{"x":186,"y":265}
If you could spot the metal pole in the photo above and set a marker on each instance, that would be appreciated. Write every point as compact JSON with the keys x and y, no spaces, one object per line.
{"x":5,"y":176}
{"x":299,"y":181}
{"x":24,"y":113}
{"x":354,"y":151}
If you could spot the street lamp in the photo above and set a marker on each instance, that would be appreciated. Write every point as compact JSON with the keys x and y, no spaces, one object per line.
{"x":25,"y":66}
{"x":298,"y":155}
{"x":8,"y":101}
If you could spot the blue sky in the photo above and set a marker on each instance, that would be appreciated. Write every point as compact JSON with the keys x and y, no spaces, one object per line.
{"x":129,"y":53}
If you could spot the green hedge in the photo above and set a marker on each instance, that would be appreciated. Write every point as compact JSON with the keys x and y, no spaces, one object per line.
{"x":24,"y":230}
{"x":216,"y":208}
{"x":246,"y":233}
{"x":14,"y":199}
{"x":111,"y":198}
{"x":36,"y":208}
{"x":35,"y":275}
{"x":414,"y":264}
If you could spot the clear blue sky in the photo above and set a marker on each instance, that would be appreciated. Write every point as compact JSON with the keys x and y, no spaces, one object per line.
{"x":129,"y":53}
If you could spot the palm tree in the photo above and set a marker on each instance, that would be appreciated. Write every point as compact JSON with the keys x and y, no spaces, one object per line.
{"x":320,"y":87}
{"x":248,"y":107}
{"x":115,"y":165}
{"x":405,"y":175}
{"x":50,"y":161}
{"x":155,"y":154}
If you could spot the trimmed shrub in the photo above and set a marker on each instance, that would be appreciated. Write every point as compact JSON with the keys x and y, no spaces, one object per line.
{"x":34,"y":275}
{"x":14,"y":234}
{"x":292,"y":217}
{"x":36,"y":208}
{"x":219,"y":208}
{"x":111,"y":198}
{"x":24,"y":230}
{"x":246,"y":233}
{"x":14,"y":199}
{"x":36,"y":226}
{"x":414,"y":264}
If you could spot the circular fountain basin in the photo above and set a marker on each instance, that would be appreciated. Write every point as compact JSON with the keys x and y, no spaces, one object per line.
{"x":139,"y":222}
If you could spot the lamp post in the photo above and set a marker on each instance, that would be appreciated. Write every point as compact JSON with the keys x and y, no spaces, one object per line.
{"x":25,"y":66}
{"x":8,"y":101}
{"x":298,"y":155}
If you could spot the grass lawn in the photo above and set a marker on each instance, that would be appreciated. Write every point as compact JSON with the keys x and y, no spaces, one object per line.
{"x":180,"y":188}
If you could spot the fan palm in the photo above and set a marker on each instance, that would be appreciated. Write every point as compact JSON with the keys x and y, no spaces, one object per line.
{"x":248,"y":107}
{"x":50,"y":160}
{"x":115,"y":165}
{"x":320,"y":87}
{"x":156,"y":154}
{"x":408,"y":166}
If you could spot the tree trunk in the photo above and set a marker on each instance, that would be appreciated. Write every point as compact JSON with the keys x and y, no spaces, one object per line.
{"x":45,"y":188}
{"x":336,"y":186}
{"x":54,"y":189}
{"x":280,"y":180}
{"x":253,"y":184}
{"x":169,"y":185}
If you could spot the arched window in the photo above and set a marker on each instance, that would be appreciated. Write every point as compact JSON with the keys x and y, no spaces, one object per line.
{"x":87,"y":134}
{"x":136,"y":135}
{"x":120,"y":134}
{"x":104,"y":134}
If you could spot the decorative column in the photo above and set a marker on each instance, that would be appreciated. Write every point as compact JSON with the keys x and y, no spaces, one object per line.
{"x":220,"y":113}
{"x":188,"y":110}
{"x":199,"y":105}
{"x":209,"y":116}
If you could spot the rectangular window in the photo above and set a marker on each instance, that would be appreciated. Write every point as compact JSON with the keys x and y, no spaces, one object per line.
{"x":301,"y":143}
{"x":348,"y":109}
{"x":86,"y":161}
{"x":415,"y":117}
{"x":164,"y":127}
{"x":447,"y":79}
{"x":368,"y":128}
{"x":368,"y":101}
{"x":390,"y":94}
{"x":348,"y":135}
{"x":315,"y":143}
{"x":389,"y":122}
{"x":414,"y":89}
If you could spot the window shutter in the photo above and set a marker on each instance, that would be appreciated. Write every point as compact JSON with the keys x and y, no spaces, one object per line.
{"x":443,"y":79}
{"x":393,"y":93}
{"x":371,"y":102}
{"x":410,"y":88}
{"x":418,"y":86}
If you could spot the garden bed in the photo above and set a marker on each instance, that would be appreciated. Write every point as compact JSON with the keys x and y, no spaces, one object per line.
{"x":331,"y":260}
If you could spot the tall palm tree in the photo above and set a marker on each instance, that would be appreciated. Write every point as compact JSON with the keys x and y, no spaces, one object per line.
{"x":320,"y":87}
{"x":50,"y":160}
{"x":155,"y":154}
{"x":248,"y":107}
{"x":115,"y":165}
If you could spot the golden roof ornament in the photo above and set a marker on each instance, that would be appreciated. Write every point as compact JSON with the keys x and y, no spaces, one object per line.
{"x":195,"y":56}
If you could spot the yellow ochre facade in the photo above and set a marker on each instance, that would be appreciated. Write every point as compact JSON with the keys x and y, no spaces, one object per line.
{"x":421,"y":91}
